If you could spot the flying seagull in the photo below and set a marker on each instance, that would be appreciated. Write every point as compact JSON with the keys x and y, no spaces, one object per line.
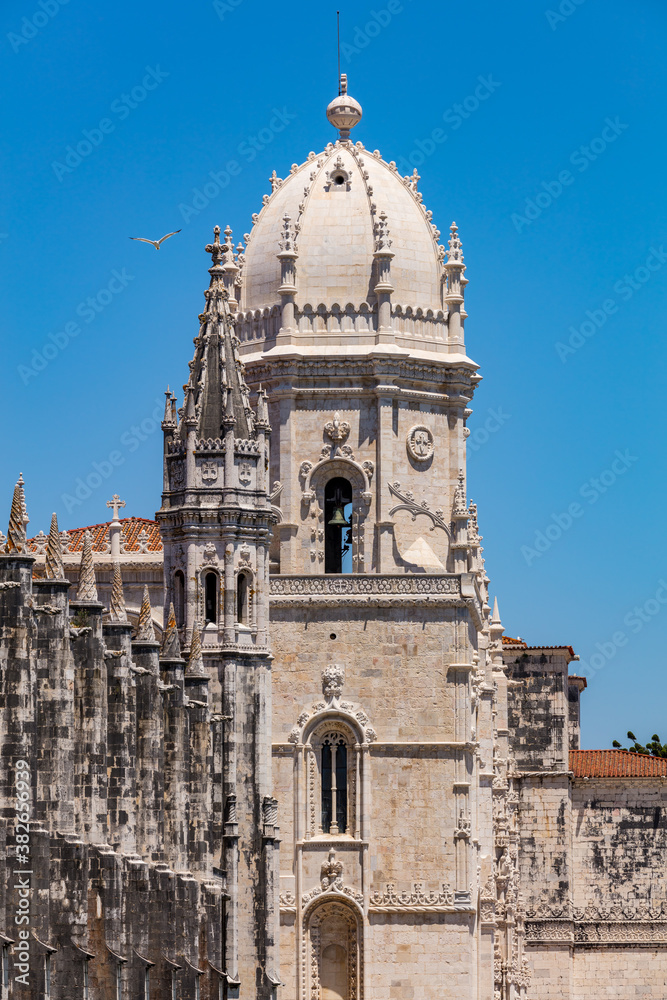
{"x":152,"y":242}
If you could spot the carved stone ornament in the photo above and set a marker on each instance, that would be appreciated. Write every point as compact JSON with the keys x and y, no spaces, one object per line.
{"x":420,"y":443}
{"x":337,"y":430}
{"x":245,"y":473}
{"x":417,"y":899}
{"x":210,"y":555}
{"x":331,"y":880}
{"x":333,"y":678}
{"x":209,"y":472}
{"x":408,"y":502}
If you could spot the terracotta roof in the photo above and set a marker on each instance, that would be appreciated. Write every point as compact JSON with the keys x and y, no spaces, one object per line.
{"x":616,"y":764}
{"x":131,"y":529}
{"x":519,"y":644}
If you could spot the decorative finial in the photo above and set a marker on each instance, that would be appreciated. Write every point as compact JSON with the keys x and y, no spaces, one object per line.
{"x":87,"y":591}
{"x":171,"y":646}
{"x":16,"y":533}
{"x":495,"y":617}
{"x":382,"y":241}
{"x":454,"y":254}
{"x":344,"y":112}
{"x":145,"y":631}
{"x":195,"y":665}
{"x":115,"y":503}
{"x":287,"y":241}
{"x":117,"y":610}
{"x":216,"y":249}
{"x":54,"y":553}
{"x":460,"y":509}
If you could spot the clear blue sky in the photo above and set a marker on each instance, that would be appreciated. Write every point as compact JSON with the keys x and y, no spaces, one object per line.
{"x":556,"y":180}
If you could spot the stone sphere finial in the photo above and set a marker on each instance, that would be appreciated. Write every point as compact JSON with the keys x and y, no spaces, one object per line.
{"x":344,"y":112}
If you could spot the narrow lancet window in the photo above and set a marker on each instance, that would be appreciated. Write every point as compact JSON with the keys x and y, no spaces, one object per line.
{"x":211,"y":597}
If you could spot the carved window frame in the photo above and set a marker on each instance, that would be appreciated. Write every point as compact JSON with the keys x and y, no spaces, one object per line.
{"x":315,"y":479}
{"x":333,"y":726}
{"x":247,"y":572}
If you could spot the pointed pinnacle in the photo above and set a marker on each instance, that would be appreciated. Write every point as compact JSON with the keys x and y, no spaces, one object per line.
{"x":495,"y":617}
{"x":16,"y":534}
{"x":195,"y":660}
{"x":145,"y":631}
{"x":171,"y":647}
{"x":54,"y":553}
{"x":117,"y":610}
{"x":87,"y":591}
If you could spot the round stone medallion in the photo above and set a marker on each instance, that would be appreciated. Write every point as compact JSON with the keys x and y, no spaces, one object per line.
{"x":420,"y":443}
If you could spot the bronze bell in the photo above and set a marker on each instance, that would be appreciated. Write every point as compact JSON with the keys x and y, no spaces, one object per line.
{"x":338,"y":517}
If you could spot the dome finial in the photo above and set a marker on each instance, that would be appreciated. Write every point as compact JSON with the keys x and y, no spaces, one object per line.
{"x":344,"y":112}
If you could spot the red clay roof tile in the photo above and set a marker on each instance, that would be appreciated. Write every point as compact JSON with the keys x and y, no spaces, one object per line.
{"x":616,"y":764}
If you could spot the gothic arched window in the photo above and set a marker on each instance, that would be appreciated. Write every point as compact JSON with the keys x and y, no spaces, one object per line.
{"x":211,"y":597}
{"x":338,"y":526}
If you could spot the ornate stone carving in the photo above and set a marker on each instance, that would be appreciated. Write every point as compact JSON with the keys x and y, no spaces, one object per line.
{"x":337,"y":430}
{"x":333,"y":678}
{"x":245,"y":473}
{"x":420,"y":443}
{"x":408,"y":502}
{"x":210,"y":556}
{"x":209,"y":472}
{"x":331,"y":880}
{"x":416,"y":899}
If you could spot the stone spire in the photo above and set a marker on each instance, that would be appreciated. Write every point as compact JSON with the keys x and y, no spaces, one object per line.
{"x":171,"y":647}
{"x":456,"y":281}
{"x":216,"y":370}
{"x":16,"y":533}
{"x":195,"y":667}
{"x":460,"y":510}
{"x":54,"y":553}
{"x":145,"y":631}
{"x":117,"y":610}
{"x":87,"y":591}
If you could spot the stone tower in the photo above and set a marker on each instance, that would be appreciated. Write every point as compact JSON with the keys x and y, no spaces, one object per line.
{"x":215,"y":523}
{"x":351,"y":313}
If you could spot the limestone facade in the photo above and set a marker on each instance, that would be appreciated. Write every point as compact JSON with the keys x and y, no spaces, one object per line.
{"x":286,"y":750}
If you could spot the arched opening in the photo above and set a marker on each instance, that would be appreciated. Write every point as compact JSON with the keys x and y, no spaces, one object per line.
{"x":211,"y":597}
{"x":338,"y":526}
{"x":335,"y":960}
{"x":179,"y":598}
{"x":334,"y":785}
{"x":242,"y":599}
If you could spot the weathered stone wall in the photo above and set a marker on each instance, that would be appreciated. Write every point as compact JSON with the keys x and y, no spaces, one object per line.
{"x":538,"y":708}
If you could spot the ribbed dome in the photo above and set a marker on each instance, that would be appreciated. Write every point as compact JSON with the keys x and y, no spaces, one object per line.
{"x":334,"y":200}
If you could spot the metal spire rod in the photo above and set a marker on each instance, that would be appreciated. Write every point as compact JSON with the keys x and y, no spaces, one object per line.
{"x":338,"y":34}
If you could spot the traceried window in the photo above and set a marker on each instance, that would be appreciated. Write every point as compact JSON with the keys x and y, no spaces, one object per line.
{"x":334,"y":784}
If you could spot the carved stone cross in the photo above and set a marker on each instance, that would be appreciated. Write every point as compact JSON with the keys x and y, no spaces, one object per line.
{"x":115,"y":502}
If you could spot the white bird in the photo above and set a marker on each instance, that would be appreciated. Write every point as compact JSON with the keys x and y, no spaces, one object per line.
{"x":152,"y":242}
